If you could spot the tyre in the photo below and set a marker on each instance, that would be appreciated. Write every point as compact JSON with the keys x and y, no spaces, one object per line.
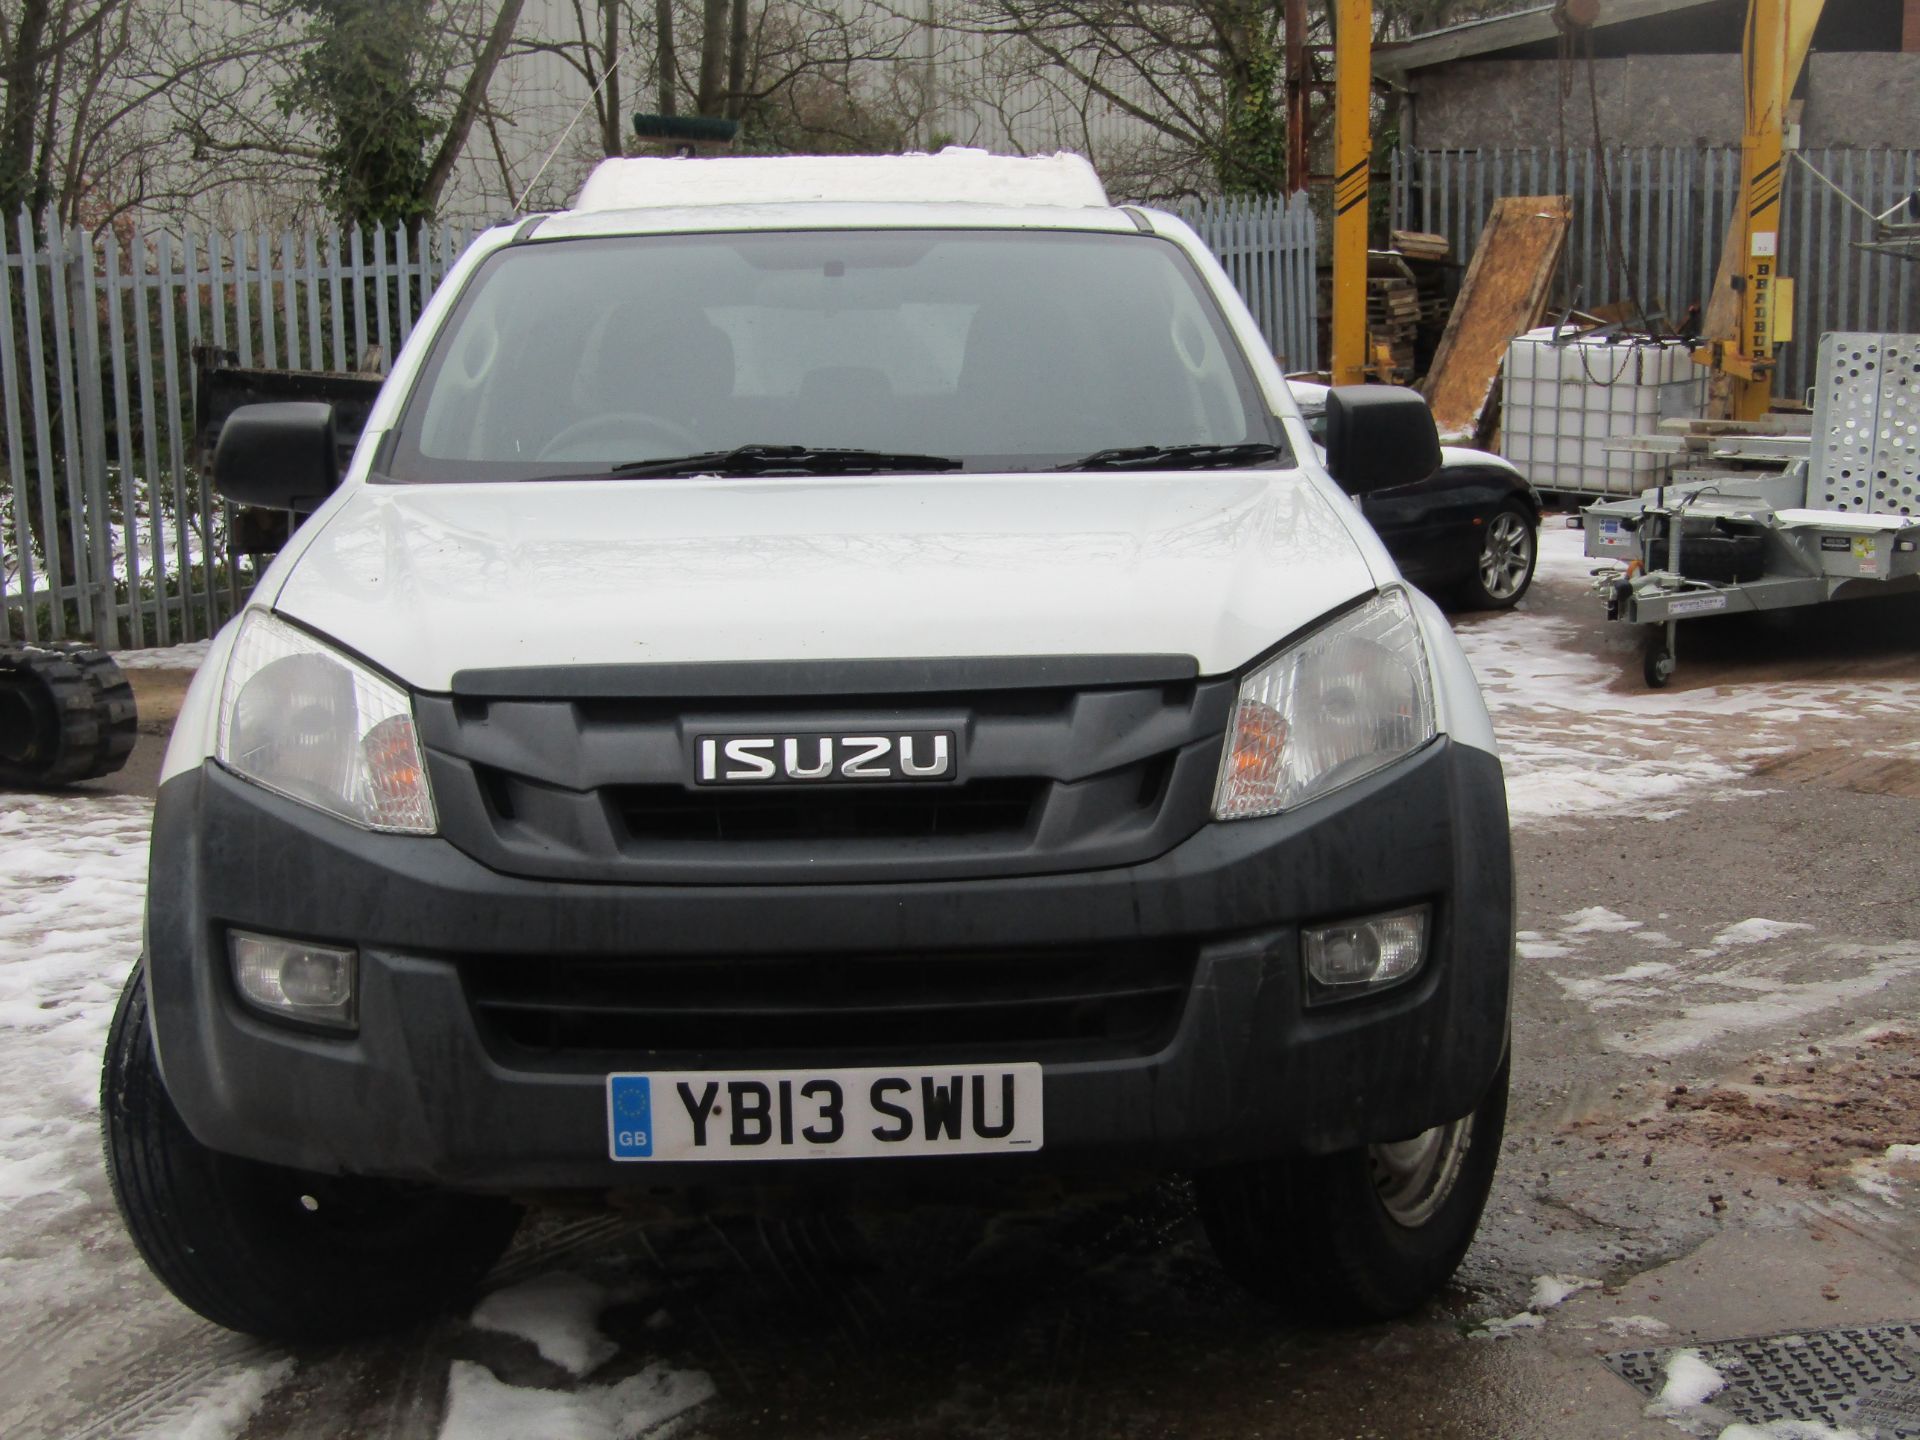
{"x":1716,"y":556}
{"x":281,"y":1254}
{"x":1656,"y":660}
{"x":1361,"y":1235}
{"x":1503,"y":569}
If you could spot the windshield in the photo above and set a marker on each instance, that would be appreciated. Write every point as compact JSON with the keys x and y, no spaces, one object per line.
{"x":983,"y":350}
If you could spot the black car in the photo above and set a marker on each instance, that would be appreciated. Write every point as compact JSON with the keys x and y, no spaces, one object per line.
{"x":1465,"y":534}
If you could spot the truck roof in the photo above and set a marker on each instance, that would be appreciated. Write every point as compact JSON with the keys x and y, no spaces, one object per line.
{"x":954,"y":176}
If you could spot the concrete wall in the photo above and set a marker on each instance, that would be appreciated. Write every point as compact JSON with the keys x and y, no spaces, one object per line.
{"x":1863,"y":100}
{"x":1852,"y":99}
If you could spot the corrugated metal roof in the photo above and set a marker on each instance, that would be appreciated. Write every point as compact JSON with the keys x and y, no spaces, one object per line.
{"x":1502,"y":32}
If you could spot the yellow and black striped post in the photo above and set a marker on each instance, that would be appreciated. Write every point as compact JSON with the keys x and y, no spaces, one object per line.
{"x":1352,"y":183}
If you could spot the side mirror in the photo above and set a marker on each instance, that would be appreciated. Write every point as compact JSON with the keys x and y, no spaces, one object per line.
{"x":1379,"y":436}
{"x":279,"y":455}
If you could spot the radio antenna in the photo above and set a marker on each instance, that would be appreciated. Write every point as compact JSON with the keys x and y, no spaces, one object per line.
{"x":592,"y":95}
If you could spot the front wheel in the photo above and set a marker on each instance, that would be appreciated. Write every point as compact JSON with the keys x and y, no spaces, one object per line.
{"x":1656,"y":658}
{"x":281,"y":1254}
{"x":1363,"y":1234}
{"x":1503,"y":565}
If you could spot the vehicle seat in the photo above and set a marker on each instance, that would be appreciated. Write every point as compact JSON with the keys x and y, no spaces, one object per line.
{"x":1019,"y":369}
{"x":846,"y":405}
{"x":678,"y":365}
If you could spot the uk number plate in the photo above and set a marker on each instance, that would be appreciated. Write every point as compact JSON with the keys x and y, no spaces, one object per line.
{"x":824,"y":1114}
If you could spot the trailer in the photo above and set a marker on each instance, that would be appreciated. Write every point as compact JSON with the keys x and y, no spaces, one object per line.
{"x":1775,"y":513}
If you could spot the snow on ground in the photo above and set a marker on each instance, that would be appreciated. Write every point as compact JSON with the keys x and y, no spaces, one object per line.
{"x":1882,"y":1176}
{"x":72,"y":881}
{"x":1508,"y":1328}
{"x":1757,"y":931}
{"x":1759,"y":974}
{"x":1579,"y":735}
{"x":224,"y":1412}
{"x":189,"y":656}
{"x":1788,"y":1430}
{"x":1690,"y":1381}
{"x":72,"y":885}
{"x":1549,"y":1292}
{"x":1774,"y":1001}
{"x":1552,"y":1290}
{"x":1635,"y":1325}
{"x":559,"y":1313}
{"x":1597,"y":920}
{"x":481,"y":1407}
{"x":167,"y":538}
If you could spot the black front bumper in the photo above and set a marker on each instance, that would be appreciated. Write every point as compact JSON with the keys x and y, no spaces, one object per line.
{"x":1248,"y":1069}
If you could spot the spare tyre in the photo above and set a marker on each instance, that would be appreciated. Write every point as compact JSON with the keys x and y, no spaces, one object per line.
{"x":66,"y":714}
{"x":1716,"y":556}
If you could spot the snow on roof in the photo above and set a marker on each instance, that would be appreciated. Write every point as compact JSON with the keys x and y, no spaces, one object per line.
{"x":954,"y":176}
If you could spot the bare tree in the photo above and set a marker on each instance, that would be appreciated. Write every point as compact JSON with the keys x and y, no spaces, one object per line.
{"x":1171,"y":99}
{"x":369,"y":104}
{"x":460,"y":124}
{"x":799,"y":74}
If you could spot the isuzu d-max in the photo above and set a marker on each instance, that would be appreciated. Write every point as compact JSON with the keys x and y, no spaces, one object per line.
{"x":839,"y":674}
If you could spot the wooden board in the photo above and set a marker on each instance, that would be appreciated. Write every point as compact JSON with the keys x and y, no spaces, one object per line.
{"x":1418,"y":245}
{"x":1504,"y":295}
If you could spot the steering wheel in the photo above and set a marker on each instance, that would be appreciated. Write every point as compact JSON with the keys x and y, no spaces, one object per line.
{"x":619,"y":435}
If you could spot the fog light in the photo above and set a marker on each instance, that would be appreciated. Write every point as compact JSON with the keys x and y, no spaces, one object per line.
{"x":1362,"y":955}
{"x":295,"y":979}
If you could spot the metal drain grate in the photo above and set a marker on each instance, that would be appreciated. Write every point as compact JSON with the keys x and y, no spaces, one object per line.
{"x":1866,"y":1379}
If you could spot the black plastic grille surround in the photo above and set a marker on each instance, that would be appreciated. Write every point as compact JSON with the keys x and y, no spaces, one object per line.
{"x":1111,"y":1001}
{"x":596,"y":785}
{"x":972,"y":810}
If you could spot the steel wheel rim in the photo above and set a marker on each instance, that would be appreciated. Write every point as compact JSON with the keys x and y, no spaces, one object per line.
{"x":1413,"y":1178}
{"x":1507,"y":555}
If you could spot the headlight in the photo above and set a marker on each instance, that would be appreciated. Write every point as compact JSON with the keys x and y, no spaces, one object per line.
{"x":301,"y":719}
{"x":1353,"y":696}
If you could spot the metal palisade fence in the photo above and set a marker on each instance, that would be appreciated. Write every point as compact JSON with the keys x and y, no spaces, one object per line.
{"x":108,"y":530}
{"x":1269,"y":248}
{"x":1658,"y":239}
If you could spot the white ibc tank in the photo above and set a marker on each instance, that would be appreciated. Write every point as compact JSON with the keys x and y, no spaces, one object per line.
{"x":1563,"y":402}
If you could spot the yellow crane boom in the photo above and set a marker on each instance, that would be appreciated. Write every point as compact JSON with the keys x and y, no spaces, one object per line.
{"x":1773,"y":54}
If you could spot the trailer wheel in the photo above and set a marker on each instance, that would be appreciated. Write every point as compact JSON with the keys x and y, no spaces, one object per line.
{"x":1656,"y":660}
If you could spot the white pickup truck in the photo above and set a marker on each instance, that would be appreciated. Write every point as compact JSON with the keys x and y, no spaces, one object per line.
{"x":845,"y":674}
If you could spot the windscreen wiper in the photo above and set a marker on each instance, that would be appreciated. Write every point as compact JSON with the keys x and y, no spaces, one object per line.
{"x":787,"y":460}
{"x":1176,"y":457}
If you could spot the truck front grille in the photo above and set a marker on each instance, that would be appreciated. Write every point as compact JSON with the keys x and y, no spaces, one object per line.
{"x":1061,"y":765}
{"x":999,"y":1005}
{"x":668,"y":813}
